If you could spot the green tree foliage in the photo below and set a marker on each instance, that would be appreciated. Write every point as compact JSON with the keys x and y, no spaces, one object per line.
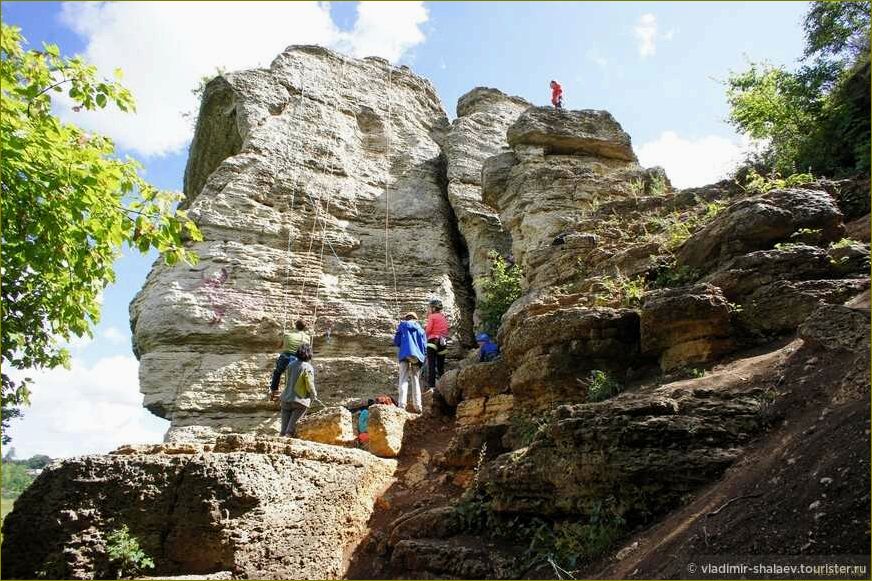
{"x":37,"y":461}
{"x":15,"y":479}
{"x":68,"y":205}
{"x":815,"y":118}
{"x":125,"y":554}
{"x":499,"y":291}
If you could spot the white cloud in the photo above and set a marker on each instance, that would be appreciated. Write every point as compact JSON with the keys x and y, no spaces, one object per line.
{"x":165,"y":48}
{"x":85,"y":410}
{"x":595,"y":57}
{"x":115,"y":336}
{"x":693,"y":162}
{"x":645,"y":32}
{"x":386,"y":29}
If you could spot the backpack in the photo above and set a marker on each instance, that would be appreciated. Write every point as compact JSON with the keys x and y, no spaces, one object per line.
{"x":300,"y":388}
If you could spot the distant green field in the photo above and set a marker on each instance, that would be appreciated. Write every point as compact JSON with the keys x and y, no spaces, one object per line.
{"x":5,"y":506}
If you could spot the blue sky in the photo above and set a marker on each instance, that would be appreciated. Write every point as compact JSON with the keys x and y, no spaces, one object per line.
{"x":655,"y":66}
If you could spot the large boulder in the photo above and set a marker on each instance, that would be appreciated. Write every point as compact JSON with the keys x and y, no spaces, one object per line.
{"x":386,"y":427}
{"x":329,"y":426}
{"x":560,"y":131}
{"x":292,"y":170}
{"x":686,"y":325}
{"x":471,"y":445}
{"x":564,"y":166}
{"x":743,"y":275}
{"x":238,"y":506}
{"x":759,"y":223}
{"x":551,"y":349}
{"x":782,"y":306}
{"x":448,"y":388}
{"x":484,"y":379}
{"x":496,"y":409}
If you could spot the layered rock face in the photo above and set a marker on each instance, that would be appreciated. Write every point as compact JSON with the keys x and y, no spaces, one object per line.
{"x":318,"y":184}
{"x":479,"y":132}
{"x":238,"y":505}
{"x":627,"y":277}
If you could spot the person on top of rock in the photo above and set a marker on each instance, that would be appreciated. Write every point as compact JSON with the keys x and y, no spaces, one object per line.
{"x":437,"y":342}
{"x":290,"y":343}
{"x":299,"y":390}
{"x":556,"y":95}
{"x":487,"y":349}
{"x":411,"y":344}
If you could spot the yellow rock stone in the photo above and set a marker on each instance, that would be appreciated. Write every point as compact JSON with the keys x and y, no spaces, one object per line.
{"x":329,"y":426}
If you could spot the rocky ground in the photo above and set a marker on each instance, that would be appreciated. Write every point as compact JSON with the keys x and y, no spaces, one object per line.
{"x":685,"y":374}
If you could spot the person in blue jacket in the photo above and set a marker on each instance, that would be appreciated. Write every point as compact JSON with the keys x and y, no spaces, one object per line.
{"x":487,"y":349}
{"x":412,"y":345}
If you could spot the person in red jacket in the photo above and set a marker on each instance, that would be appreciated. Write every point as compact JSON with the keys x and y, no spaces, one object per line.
{"x":556,"y":95}
{"x":437,"y":342}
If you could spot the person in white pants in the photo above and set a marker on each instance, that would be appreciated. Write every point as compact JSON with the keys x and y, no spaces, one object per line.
{"x":410,"y":370}
{"x":412,"y":344}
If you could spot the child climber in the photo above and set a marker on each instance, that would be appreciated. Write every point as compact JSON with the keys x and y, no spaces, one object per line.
{"x":556,"y":95}
{"x":290,"y":343}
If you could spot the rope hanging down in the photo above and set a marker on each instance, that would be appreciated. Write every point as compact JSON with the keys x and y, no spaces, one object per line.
{"x":316,"y":207}
{"x":389,"y":257}
{"x":295,"y":183}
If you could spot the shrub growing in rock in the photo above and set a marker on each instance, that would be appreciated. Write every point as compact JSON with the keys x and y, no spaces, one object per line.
{"x":602,"y":386}
{"x":125,"y":554}
{"x":499,"y":290}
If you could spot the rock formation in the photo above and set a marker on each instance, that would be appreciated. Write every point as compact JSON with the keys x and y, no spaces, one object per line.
{"x":479,"y":132}
{"x":263,"y":508}
{"x":662,"y":335}
{"x":318,"y":184}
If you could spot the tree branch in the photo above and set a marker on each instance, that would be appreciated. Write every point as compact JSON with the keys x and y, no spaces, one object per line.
{"x":44,"y":91}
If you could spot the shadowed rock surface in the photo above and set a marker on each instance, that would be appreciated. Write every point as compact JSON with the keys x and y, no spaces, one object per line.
{"x":263,"y":508}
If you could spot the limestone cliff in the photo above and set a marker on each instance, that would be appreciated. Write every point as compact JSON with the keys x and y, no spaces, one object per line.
{"x":662,"y":337}
{"x":479,"y":132}
{"x":318,"y":184}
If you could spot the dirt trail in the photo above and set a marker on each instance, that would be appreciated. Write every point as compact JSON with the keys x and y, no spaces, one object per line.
{"x":419,"y":484}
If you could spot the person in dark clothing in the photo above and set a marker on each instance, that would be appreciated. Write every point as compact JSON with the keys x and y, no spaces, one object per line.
{"x":437,"y":329}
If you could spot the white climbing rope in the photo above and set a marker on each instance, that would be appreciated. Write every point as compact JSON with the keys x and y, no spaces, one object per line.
{"x":295,"y":182}
{"x":389,"y":257}
{"x":326,"y":212}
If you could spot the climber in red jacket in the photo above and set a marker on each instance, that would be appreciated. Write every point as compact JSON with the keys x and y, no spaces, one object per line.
{"x":556,"y":95}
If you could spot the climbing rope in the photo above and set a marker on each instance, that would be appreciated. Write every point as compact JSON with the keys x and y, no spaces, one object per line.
{"x":325,"y":213}
{"x":295,"y":183}
{"x":389,"y":257}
